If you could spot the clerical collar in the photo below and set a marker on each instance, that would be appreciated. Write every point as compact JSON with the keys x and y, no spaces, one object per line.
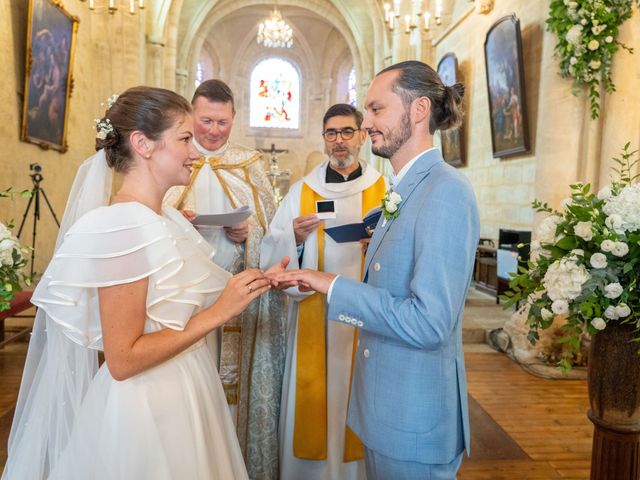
{"x":210,"y":153}
{"x":334,"y":177}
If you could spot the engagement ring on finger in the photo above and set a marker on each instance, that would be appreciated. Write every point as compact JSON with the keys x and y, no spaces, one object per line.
{"x":250,"y":288}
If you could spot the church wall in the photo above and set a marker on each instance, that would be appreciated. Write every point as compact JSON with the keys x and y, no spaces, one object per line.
{"x":566,"y":146}
{"x":107,"y":60}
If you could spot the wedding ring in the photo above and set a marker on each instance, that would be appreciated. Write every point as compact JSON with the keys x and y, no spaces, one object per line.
{"x":250,"y":288}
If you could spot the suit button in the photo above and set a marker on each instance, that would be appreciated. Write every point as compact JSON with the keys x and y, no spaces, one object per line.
{"x":376,"y":267}
{"x":365,"y":352}
{"x":360,"y":323}
{"x":341,"y":317}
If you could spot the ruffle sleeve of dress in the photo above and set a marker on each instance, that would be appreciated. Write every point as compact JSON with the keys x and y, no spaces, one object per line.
{"x":120,"y":244}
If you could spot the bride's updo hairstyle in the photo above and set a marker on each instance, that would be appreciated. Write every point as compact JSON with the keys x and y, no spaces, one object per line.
{"x":416,"y":79}
{"x":146,"y":109}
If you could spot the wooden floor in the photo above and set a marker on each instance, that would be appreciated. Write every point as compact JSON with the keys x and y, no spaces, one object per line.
{"x":546,"y":418}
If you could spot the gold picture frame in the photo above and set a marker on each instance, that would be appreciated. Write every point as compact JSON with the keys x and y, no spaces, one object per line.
{"x":51,"y":42}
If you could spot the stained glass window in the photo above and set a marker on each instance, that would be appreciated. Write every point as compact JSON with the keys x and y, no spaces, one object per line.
{"x":199,"y":74}
{"x":351,"y":100}
{"x":274,"y":95}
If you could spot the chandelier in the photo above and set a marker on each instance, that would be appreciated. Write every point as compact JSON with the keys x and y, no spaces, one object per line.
{"x":274,"y":32}
{"x":112,"y":6}
{"x":412,"y":21}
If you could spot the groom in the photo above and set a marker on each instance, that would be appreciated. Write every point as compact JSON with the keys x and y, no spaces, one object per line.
{"x":409,"y":395}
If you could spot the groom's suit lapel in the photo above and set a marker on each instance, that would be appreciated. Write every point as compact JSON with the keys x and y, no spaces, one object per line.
{"x":418,"y":172}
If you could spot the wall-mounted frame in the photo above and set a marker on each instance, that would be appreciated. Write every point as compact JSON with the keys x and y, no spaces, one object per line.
{"x":51,"y":39}
{"x":506,"y":89}
{"x":451,"y":139}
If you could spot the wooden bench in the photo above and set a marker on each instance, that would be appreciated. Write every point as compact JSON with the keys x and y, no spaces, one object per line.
{"x":19,"y":304}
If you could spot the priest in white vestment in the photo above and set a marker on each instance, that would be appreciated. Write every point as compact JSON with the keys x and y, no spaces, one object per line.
{"x":249,"y":350}
{"x":315,"y":443}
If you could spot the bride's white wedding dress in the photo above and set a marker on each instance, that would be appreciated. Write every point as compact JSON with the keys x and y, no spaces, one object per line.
{"x":169,"y":422}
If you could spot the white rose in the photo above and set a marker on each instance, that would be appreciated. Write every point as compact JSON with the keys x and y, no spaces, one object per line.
{"x":614,"y":222}
{"x":546,"y":232}
{"x":598,"y":260}
{"x":611,"y":313}
{"x":390,"y":207}
{"x":573,"y":60}
{"x":583,"y":230}
{"x":7,"y":246}
{"x":593,"y":45}
{"x":609,"y":39}
{"x":598,"y":323}
{"x":623,"y":310}
{"x":594,"y":64}
{"x":620,"y":249}
{"x":607,"y":245}
{"x":604,"y":193}
{"x":613,"y":290}
{"x":578,"y":252}
{"x":584,"y":21}
{"x":546,"y":314}
{"x":560,"y":307}
{"x":395,"y":197}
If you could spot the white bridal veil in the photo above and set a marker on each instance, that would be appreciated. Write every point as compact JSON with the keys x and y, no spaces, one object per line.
{"x":58,"y":371}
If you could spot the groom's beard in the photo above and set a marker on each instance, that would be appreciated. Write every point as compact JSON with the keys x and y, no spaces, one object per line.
{"x":394,"y":139}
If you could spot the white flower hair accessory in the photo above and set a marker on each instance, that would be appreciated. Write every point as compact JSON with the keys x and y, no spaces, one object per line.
{"x":103,"y":128}
{"x":110,"y":101}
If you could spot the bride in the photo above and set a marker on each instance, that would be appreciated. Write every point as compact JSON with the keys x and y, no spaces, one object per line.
{"x":137,"y":283}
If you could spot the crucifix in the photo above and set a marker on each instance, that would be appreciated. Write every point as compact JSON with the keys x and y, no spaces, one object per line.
{"x":279,"y":179}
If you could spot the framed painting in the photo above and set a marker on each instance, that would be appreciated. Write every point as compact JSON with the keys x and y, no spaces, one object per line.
{"x":505,"y":84}
{"x":51,"y":37}
{"x":451,"y":139}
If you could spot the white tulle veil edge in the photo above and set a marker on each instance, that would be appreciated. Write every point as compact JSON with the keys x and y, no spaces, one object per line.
{"x":57,"y":371}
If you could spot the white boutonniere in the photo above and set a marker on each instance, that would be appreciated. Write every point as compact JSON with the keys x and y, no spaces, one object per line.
{"x":391,"y":204}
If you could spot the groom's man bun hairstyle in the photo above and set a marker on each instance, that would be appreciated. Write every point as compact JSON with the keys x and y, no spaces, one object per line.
{"x":417,"y":79}
{"x":342,"y":110}
{"x":149,"y":110}
{"x":214,"y":90}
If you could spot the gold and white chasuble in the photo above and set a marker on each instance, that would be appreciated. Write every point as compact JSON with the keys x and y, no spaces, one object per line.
{"x":250,"y":349}
{"x":314,"y":440}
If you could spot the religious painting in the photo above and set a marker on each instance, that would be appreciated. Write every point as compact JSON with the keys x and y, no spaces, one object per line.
{"x":274,"y":95}
{"x":51,"y":36}
{"x":505,"y":83}
{"x":451,"y":139}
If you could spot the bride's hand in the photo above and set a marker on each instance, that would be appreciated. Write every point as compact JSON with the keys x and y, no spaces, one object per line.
{"x":240,"y":291}
{"x":308,"y":280}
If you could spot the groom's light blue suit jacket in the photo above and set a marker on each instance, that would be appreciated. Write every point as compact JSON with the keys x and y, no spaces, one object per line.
{"x":409,"y":392}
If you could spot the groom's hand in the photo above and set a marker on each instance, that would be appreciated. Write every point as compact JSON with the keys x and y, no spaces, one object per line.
{"x":308,"y":280}
{"x":277,"y":269}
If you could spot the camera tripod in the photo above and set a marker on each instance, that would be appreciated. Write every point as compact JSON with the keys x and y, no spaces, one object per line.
{"x":36,"y":178}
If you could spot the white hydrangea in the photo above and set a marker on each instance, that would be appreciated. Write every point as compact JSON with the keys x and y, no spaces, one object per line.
{"x":574,"y":35}
{"x":626,"y":205}
{"x":546,"y":232}
{"x":564,"y":279}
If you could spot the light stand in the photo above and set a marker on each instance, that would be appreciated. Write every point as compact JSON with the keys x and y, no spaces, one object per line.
{"x":36,"y":178}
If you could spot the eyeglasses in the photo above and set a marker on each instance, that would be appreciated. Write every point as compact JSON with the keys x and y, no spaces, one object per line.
{"x":345,"y":133}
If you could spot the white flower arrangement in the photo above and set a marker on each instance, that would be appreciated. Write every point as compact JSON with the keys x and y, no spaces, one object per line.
{"x":13,"y":258}
{"x":103,"y":128}
{"x":587,"y":32}
{"x":585,"y":261}
{"x":111,"y":100}
{"x":391,"y":204}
